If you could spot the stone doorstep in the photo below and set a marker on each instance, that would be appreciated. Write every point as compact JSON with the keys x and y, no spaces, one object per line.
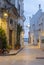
{"x":14,"y":52}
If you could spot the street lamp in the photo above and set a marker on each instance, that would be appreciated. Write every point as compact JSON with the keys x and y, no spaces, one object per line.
{"x":5,"y":14}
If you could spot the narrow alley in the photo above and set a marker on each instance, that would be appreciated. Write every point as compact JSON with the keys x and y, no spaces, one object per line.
{"x":21,"y":32}
{"x":28,"y":56}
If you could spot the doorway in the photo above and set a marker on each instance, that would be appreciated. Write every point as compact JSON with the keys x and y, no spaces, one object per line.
{"x":10,"y":37}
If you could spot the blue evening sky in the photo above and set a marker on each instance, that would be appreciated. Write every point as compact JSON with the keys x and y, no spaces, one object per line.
{"x":30,"y":8}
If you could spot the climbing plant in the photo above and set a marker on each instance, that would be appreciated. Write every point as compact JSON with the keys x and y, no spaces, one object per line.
{"x":3,"y":42}
{"x":19,"y":29}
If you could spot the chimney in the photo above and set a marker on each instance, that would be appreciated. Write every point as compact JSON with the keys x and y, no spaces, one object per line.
{"x":39,"y":6}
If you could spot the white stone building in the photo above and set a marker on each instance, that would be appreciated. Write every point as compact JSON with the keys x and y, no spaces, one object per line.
{"x":37,"y":28}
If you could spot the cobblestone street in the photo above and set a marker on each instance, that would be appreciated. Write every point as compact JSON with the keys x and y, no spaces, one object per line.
{"x":25,"y":57}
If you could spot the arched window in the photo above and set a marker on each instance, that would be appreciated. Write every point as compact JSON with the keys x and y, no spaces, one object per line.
{"x":11,"y":21}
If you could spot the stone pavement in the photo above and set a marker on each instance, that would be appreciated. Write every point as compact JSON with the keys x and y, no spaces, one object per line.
{"x":28,"y":56}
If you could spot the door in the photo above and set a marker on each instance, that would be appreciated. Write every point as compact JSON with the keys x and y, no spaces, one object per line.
{"x":10,"y":37}
{"x":0,"y":43}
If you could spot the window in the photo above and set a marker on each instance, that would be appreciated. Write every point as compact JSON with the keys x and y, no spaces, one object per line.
{"x":11,"y":21}
{"x":39,"y":29}
{"x":33,"y":24}
{"x":42,"y":19}
{"x":42,"y":41}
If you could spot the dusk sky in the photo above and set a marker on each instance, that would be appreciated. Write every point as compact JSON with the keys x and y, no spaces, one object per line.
{"x":30,"y":8}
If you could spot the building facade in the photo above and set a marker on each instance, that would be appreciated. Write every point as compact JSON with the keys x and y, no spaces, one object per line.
{"x":37,"y":28}
{"x":9,"y":23}
{"x":21,"y":21}
{"x":14,"y":10}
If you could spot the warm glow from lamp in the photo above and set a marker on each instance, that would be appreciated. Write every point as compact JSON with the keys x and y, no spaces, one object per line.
{"x":5,"y":14}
